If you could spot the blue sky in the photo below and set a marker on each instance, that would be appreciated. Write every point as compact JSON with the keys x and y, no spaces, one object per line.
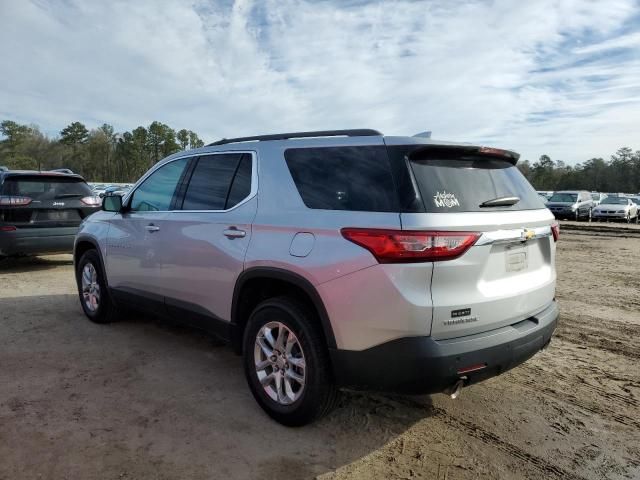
{"x":545,"y":76}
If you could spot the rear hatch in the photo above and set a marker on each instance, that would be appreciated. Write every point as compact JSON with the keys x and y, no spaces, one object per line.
{"x":508,"y":274}
{"x":45,"y":200}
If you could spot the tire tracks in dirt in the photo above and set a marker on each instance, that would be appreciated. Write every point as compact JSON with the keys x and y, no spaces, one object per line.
{"x":586,"y":331}
{"x":605,"y":393}
{"x":549,"y":469}
{"x":568,"y":398}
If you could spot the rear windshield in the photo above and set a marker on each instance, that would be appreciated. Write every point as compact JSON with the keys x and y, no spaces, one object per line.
{"x":564,"y":197}
{"x":454,"y":182}
{"x":46,"y":188}
{"x":343,"y":178}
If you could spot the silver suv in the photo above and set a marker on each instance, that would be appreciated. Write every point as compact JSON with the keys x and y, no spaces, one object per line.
{"x":329,"y":259}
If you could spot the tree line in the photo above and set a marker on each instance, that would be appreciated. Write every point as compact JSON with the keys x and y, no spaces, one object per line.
{"x":99,"y":155}
{"x":102,"y":155}
{"x":620,"y":174}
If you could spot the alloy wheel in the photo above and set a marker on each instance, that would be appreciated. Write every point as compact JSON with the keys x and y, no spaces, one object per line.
{"x":279,"y":363}
{"x":90,"y":288}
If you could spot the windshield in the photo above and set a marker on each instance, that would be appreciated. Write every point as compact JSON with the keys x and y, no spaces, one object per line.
{"x":564,"y":197}
{"x":614,"y":201}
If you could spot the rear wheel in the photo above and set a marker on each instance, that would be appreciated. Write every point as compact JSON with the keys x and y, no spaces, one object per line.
{"x":92,"y":289}
{"x":287,"y":364}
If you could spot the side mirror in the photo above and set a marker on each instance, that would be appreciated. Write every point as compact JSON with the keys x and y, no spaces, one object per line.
{"x":112,"y":203}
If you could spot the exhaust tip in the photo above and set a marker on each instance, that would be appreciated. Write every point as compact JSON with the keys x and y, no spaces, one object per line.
{"x":455,"y":390}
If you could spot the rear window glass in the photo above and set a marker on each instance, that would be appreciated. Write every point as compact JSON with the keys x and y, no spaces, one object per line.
{"x":343,"y":178}
{"x":46,"y":188}
{"x":450,"y":182}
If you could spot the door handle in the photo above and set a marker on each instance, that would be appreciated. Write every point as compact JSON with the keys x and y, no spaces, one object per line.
{"x":233,"y":232}
{"x":152,"y":228}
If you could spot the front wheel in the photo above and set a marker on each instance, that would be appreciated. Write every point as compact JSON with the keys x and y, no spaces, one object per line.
{"x":629,"y":217}
{"x":92,"y":289}
{"x":286,"y":362}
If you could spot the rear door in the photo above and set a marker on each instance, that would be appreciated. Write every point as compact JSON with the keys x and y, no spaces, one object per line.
{"x":509,"y":274}
{"x":207,"y":236}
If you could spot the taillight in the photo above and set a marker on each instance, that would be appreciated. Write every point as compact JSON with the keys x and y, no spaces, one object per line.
{"x":91,"y":201}
{"x":499,"y":152}
{"x":555,"y":231}
{"x":7,"y":228}
{"x":401,"y":246}
{"x":7,"y":201}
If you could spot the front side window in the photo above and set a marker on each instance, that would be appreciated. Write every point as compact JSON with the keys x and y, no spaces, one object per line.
{"x":156,"y":192}
{"x":219,"y":182}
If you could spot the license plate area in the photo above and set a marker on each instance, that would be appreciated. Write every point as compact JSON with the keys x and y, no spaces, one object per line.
{"x":516,"y":258}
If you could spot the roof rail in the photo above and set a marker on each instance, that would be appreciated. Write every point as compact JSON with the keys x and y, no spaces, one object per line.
{"x":362,"y":132}
{"x":62,"y":170}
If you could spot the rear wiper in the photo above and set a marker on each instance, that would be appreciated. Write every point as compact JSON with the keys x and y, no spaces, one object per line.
{"x":69,"y":195}
{"x":500,"y":202}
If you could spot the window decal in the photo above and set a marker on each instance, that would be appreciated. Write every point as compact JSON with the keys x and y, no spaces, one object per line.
{"x":444,"y":199}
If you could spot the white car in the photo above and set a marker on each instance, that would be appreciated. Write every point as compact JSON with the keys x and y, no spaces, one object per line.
{"x":616,"y":208}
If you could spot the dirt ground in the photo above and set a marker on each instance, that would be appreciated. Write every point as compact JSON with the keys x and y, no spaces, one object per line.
{"x":141,"y":399}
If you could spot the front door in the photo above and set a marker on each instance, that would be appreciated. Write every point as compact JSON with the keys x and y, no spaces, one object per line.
{"x":137,"y":241}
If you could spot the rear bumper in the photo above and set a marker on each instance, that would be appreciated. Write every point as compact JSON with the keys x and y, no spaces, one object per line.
{"x":32,"y":241}
{"x":421,"y":365}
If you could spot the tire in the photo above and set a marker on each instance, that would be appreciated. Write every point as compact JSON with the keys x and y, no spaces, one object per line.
{"x":590,"y":217}
{"x":577,"y":215}
{"x":301,"y":403}
{"x":629,"y":217}
{"x":102,"y":311}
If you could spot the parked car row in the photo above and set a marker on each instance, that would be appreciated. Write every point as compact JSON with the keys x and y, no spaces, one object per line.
{"x":102,"y":189}
{"x":583,"y":205}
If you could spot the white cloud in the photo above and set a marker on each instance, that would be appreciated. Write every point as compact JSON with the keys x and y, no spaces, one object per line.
{"x":555,"y":77}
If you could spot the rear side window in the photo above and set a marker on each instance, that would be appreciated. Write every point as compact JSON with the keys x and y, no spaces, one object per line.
{"x":219,"y":182}
{"x":40,"y":187}
{"x":459,"y":182}
{"x":343,"y":178}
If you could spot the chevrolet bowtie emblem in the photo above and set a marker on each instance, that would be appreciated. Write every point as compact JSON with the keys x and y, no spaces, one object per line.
{"x":527,"y":235}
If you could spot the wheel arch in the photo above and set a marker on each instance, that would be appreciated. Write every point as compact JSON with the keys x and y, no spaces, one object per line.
{"x":84,"y":244}
{"x":252,"y":286}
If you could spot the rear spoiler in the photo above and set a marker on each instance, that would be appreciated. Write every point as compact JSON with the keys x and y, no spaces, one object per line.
{"x":499,"y":153}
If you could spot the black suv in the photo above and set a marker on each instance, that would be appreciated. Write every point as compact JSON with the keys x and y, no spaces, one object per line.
{"x":40,"y":211}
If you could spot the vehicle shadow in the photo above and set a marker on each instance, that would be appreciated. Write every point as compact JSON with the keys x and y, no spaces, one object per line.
{"x":34,"y":263}
{"x":157,"y":399}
